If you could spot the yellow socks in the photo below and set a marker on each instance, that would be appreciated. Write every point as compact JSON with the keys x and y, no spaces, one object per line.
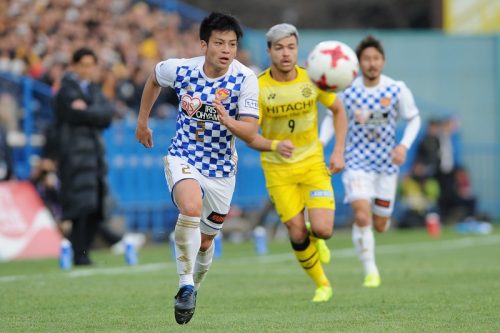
{"x":308,"y":257}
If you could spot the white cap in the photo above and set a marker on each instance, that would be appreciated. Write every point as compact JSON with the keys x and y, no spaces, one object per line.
{"x":280,"y":31}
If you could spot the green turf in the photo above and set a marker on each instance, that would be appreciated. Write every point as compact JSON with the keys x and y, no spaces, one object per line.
{"x":446,"y":285}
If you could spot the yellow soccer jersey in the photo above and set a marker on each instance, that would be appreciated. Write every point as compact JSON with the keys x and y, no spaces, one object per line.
{"x":288,"y":111}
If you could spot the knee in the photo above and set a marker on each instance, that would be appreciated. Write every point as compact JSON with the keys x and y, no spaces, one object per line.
{"x":324,"y":232}
{"x":362,"y":218}
{"x":190,"y":208}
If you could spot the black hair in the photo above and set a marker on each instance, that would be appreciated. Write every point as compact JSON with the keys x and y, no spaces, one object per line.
{"x":369,"y":41}
{"x":82,"y":52}
{"x":219,"y":22}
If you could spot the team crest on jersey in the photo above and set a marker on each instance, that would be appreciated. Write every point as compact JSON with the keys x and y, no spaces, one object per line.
{"x":190,"y":104}
{"x":222,"y":93}
{"x":306,"y":91}
{"x":385,"y":101}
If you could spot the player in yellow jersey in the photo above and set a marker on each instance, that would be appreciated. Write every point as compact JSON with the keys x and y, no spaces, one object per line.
{"x":292,"y":155}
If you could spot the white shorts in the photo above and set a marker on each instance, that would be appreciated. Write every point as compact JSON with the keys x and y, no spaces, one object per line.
{"x":217,"y":192}
{"x":380,"y":189}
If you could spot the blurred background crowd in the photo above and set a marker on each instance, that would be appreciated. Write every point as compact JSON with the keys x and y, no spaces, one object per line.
{"x":37,"y":38}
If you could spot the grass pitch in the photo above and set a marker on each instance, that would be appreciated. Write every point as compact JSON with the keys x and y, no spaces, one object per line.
{"x":446,"y":285}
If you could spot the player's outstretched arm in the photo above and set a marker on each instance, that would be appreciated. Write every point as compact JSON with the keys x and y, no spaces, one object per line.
{"x":149,"y":95}
{"x":337,"y":162}
{"x":283,"y":147}
{"x":245,"y":128}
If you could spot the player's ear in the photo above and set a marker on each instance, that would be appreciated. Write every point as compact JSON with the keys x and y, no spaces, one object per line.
{"x":204,"y":46}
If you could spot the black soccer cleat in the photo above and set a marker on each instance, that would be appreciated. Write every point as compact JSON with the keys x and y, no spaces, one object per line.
{"x":185,"y":303}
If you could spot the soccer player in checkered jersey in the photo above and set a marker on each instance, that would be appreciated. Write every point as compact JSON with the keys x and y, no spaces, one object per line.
{"x":218,"y":101}
{"x":297,"y":179}
{"x":373,"y":103}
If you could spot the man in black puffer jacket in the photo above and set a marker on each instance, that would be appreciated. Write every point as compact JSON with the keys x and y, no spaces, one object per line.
{"x":6,"y":160}
{"x":82,"y":113}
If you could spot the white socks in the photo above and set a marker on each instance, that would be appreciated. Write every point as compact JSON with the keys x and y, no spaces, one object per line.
{"x":187,"y":245}
{"x":364,"y":243}
{"x":203,"y":263}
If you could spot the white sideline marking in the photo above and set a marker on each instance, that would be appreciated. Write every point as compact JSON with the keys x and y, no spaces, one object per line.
{"x":340,"y":253}
{"x":451,"y":244}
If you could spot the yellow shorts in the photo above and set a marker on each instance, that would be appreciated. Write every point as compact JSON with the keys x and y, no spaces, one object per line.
{"x":295,"y":187}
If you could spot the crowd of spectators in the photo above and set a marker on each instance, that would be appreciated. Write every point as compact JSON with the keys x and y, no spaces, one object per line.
{"x":38,"y":37}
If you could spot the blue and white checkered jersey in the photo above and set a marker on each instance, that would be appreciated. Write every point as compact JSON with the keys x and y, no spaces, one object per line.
{"x":372,"y":116}
{"x":200,"y":139}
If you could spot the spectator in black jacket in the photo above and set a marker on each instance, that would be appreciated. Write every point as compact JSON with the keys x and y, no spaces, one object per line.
{"x":6,"y":162}
{"x":82,"y":113}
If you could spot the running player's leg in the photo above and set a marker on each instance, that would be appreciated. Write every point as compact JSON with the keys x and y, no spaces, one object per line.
{"x":383,"y":203}
{"x":318,"y":193}
{"x":359,"y":191}
{"x":216,"y":204}
{"x":307,"y":255}
{"x":364,"y":241}
{"x":203,"y":259}
{"x":288,"y":199}
{"x":187,"y":194}
{"x":183,"y":182}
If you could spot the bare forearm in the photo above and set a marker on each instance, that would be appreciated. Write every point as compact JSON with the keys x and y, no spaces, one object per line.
{"x":260,"y":143}
{"x":149,"y":95}
{"x":246,"y":130}
{"x":340,"y":125}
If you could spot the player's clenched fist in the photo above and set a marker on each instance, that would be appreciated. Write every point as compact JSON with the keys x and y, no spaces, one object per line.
{"x":399,"y":154}
{"x":285,"y":148}
{"x":337,"y":162}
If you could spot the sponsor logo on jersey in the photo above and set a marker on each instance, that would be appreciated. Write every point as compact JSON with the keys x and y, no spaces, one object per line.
{"x":251,"y":103}
{"x":190,"y":104}
{"x":222,"y":93}
{"x":284,"y":108}
{"x":367,"y":117}
{"x":321,"y":194}
{"x":378,"y":118}
{"x":362,"y":115}
{"x":216,"y":217}
{"x":194,"y":108}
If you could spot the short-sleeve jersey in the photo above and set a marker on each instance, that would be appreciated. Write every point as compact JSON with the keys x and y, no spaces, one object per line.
{"x":288,"y":111}
{"x":200,"y":139}
{"x":372,"y":115}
